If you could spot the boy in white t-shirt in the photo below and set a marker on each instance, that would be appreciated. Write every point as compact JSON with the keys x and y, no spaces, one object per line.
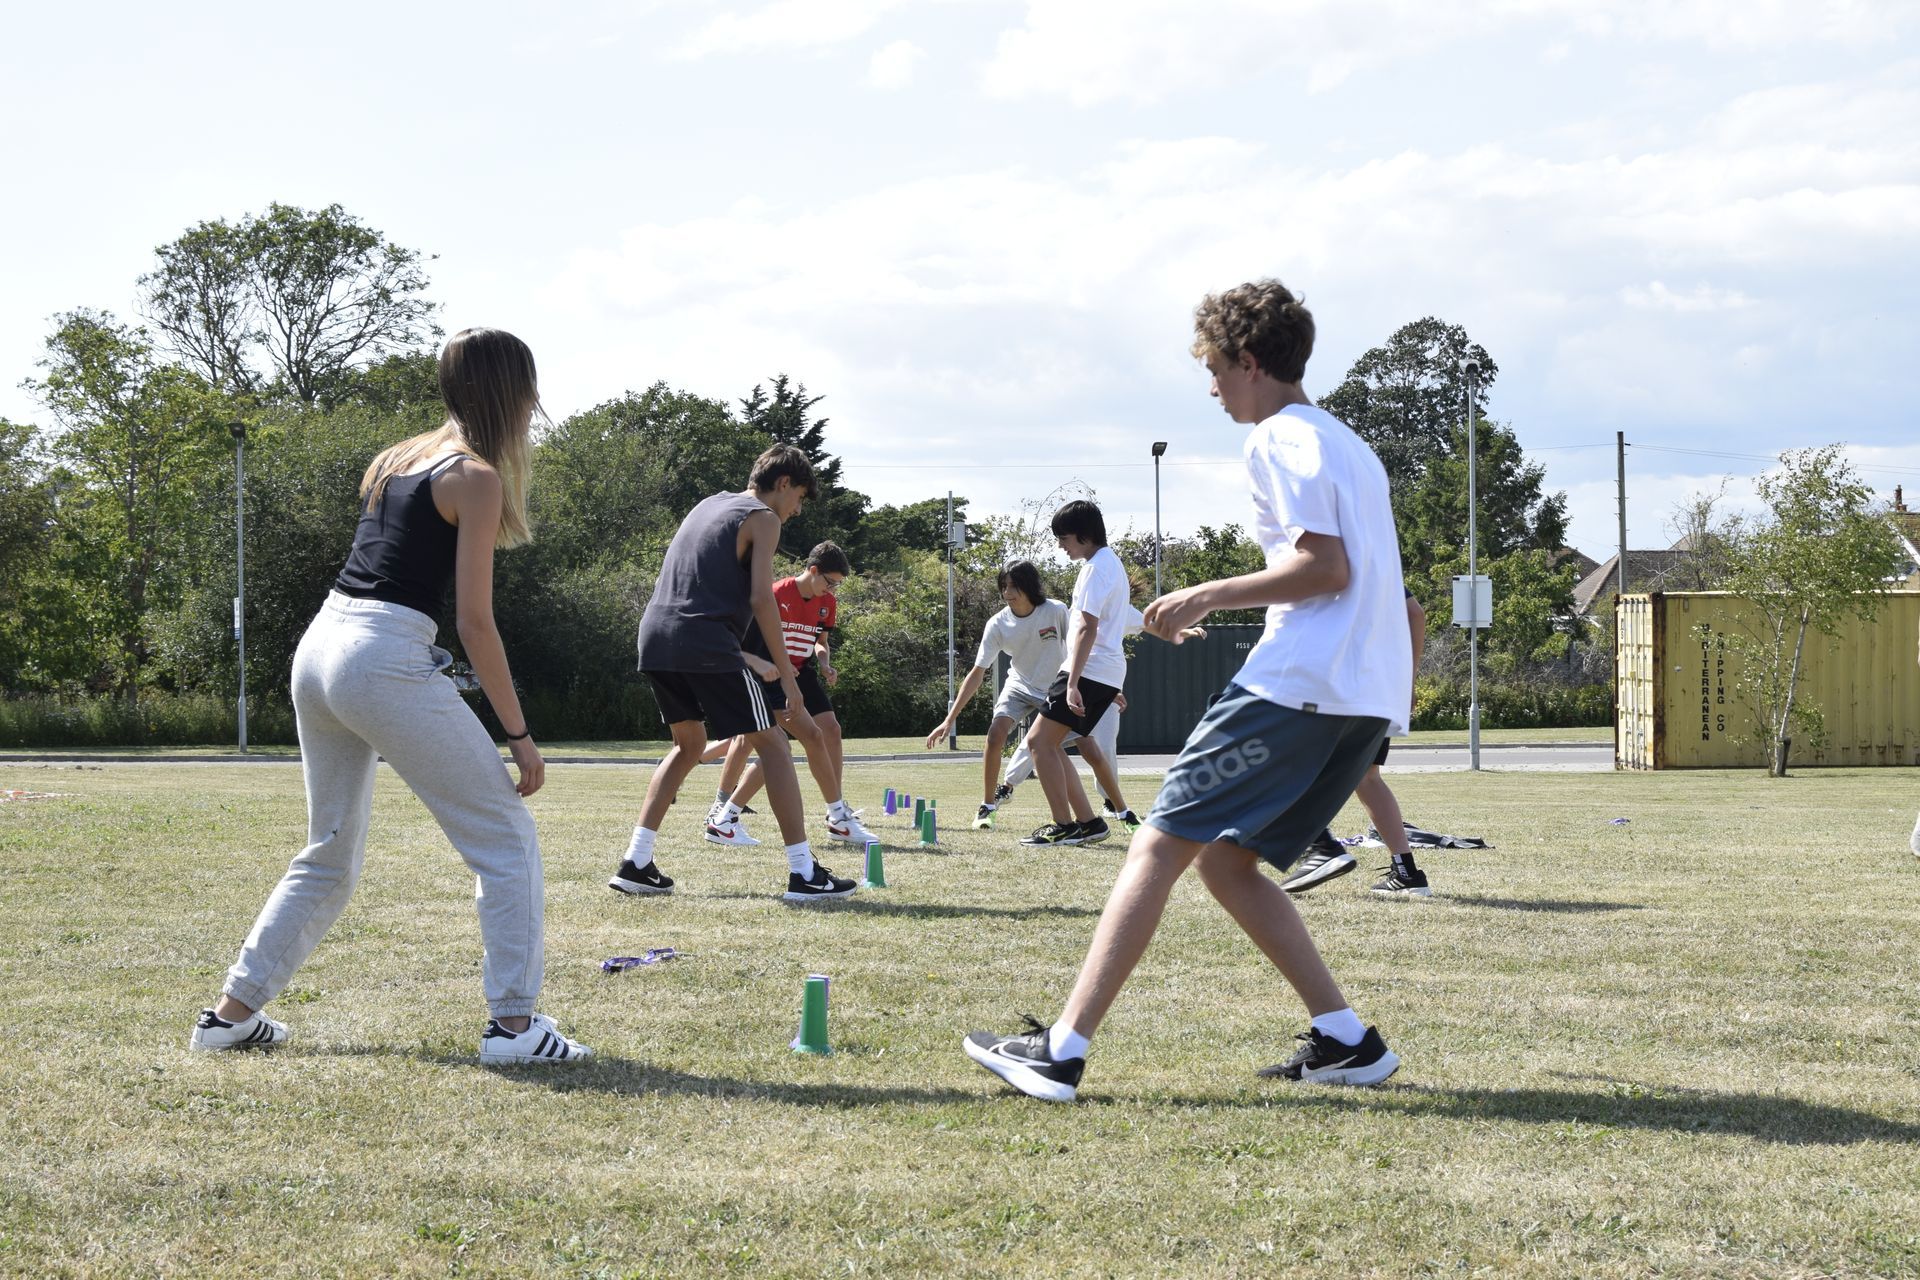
{"x":1274,"y":758}
{"x":1090,"y":678}
{"x":1032,"y":632}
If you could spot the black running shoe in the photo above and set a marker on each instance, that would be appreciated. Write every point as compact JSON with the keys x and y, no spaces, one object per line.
{"x":1119,"y":817}
{"x":983,"y":820}
{"x":1003,"y":794}
{"x":820,"y":885}
{"x":1024,"y":1062}
{"x":1053,"y":833}
{"x":1326,"y":859}
{"x":1092,"y":831}
{"x":647,"y":879}
{"x":1324,"y":1060}
{"x":1403,"y":884}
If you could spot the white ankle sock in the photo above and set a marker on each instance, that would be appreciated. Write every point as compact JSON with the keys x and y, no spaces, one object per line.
{"x":1064,"y":1042}
{"x":1343,"y":1025}
{"x":838,"y":811}
{"x":800,"y":860}
{"x":640,"y":852}
{"x":729,"y":814}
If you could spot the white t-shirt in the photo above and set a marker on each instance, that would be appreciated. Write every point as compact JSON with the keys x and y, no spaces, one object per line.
{"x":1033,"y":645}
{"x":1102,"y":591}
{"x":1347,"y":654}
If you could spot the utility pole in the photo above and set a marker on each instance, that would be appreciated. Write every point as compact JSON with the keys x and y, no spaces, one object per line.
{"x":953,"y":734}
{"x":239,"y":433}
{"x":1620,"y":566}
{"x":1159,"y":448}
{"x":1473,"y":572}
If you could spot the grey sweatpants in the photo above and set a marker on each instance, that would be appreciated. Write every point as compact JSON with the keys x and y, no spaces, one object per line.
{"x":367,"y":683}
{"x":1106,"y":736}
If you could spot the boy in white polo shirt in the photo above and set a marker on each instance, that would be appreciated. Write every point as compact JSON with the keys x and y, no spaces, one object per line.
{"x":1090,"y":678}
{"x":1274,"y":758}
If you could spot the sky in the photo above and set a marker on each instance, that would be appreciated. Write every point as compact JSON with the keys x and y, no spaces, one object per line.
{"x":979,"y":227}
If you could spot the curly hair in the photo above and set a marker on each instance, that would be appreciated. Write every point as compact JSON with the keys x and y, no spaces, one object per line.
{"x":1262,"y":318}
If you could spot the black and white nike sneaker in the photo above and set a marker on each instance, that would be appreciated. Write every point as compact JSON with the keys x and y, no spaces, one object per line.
{"x":1024,"y":1062}
{"x":647,"y":879}
{"x":1053,"y":833}
{"x":541,"y":1042}
{"x":822,"y":884}
{"x":1002,"y":794}
{"x":1324,"y":1060}
{"x":1092,"y":831}
{"x":1326,"y":859}
{"x":256,"y":1031}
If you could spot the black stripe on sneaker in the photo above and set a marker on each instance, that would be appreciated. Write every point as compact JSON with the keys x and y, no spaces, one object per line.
{"x":546,"y":1037}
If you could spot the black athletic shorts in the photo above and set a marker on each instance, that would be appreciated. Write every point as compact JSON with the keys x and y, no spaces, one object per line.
{"x":813,"y":690}
{"x":1385,"y":743}
{"x":1097,"y":696}
{"x":729,"y":702}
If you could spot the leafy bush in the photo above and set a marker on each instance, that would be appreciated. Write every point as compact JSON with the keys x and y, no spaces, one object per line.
{"x":156,"y":720}
{"x":1445,"y":704}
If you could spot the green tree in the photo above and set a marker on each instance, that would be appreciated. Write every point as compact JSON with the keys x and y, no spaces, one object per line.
{"x":785,"y":415}
{"x":26,"y":523}
{"x":1819,"y":554}
{"x":1407,"y":397}
{"x":888,"y":537}
{"x":1210,"y":555}
{"x":1514,"y":511}
{"x":138,"y":438}
{"x":289,"y":301}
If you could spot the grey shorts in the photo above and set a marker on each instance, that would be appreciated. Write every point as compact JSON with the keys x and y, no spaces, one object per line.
{"x":1016,"y":703}
{"x":1265,"y":777}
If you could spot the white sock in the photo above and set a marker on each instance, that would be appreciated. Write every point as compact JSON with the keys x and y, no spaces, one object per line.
{"x":800,"y":860}
{"x":729,"y":814}
{"x":1343,"y":1025}
{"x":640,"y":852}
{"x":1064,"y":1042}
{"x":989,"y":806}
{"x":839,"y":812}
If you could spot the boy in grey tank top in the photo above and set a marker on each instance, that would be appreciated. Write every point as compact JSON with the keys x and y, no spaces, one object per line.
{"x":715,"y":582}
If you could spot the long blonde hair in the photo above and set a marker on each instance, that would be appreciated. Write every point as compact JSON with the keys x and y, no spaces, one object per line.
{"x":492,"y":394}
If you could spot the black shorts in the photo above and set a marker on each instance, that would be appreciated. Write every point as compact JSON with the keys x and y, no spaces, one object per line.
{"x":730,"y":703}
{"x":813,"y":690}
{"x":1385,"y":744}
{"x":1097,"y":696}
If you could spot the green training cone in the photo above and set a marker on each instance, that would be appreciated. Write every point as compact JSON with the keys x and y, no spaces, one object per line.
{"x":927,"y":835}
{"x":813,"y":1017}
{"x":876,"y":868}
{"x":919,"y":810}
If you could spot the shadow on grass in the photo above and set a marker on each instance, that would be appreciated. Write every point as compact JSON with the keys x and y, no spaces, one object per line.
{"x":1764,"y":1117}
{"x":861,"y":904}
{"x":638,"y":1079}
{"x":1542,"y":904}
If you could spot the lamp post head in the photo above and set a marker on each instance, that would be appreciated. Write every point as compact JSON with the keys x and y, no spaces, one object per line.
{"x":1470,"y":367}
{"x":1159,"y":447}
{"x":238,"y":430}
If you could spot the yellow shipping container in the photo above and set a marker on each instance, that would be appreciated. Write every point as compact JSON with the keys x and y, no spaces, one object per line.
{"x":1675,"y":705}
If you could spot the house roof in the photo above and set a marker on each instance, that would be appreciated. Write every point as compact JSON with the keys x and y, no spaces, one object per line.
{"x":1646,"y":571}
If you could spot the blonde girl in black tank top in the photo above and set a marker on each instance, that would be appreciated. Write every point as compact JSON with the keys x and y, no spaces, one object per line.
{"x":367,"y":683}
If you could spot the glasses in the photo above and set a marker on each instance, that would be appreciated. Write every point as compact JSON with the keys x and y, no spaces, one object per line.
{"x":619,"y":964}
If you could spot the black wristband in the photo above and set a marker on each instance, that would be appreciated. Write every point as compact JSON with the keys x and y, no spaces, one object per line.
{"x":515,"y":737}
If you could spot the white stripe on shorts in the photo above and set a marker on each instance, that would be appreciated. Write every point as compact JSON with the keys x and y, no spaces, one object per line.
{"x":759,"y":699}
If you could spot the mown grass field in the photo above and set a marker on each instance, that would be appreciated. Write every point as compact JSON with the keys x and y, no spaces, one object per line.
{"x":1687,"y":1046}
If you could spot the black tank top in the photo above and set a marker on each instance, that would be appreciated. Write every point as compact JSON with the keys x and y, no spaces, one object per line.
{"x":403,"y":548}
{"x":701,"y":605}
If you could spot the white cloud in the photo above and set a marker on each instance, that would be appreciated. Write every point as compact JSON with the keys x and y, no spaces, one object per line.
{"x":785,"y":24}
{"x":892,"y":66}
{"x":1656,"y":296}
{"x":1091,"y":51}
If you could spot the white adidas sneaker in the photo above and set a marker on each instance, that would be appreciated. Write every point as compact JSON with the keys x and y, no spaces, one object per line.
{"x":541,"y":1042}
{"x":212,"y":1033}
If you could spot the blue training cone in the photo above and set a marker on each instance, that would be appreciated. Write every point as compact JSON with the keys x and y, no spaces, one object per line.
{"x":891,"y":810}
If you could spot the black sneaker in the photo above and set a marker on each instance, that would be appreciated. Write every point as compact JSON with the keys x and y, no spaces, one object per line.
{"x":1092,"y":831}
{"x":1326,"y":859}
{"x":1403,"y":884}
{"x":647,"y":879}
{"x":983,"y":820}
{"x":1119,"y":817}
{"x":1053,"y":833}
{"x":1024,"y":1062}
{"x":821,"y":884}
{"x":1003,"y":794}
{"x":1324,"y":1060}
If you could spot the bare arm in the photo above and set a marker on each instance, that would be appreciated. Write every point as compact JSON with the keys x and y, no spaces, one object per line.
{"x":1417,"y":629}
{"x":1077,"y":655}
{"x":474,"y":491}
{"x":1317,"y":567}
{"x":761,"y":530}
{"x":968,"y":687}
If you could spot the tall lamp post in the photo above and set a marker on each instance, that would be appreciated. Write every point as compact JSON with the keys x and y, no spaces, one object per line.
{"x":239,"y":432}
{"x":1472,"y":369}
{"x":1159,"y":448}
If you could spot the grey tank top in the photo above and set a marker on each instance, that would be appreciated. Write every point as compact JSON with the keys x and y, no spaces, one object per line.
{"x":701,"y":605}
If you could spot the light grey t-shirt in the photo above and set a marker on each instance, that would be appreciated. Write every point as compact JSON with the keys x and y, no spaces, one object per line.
{"x":1034,"y":646}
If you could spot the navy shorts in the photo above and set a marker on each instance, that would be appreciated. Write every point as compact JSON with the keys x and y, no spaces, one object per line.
{"x":1265,"y":777}
{"x":729,"y":703}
